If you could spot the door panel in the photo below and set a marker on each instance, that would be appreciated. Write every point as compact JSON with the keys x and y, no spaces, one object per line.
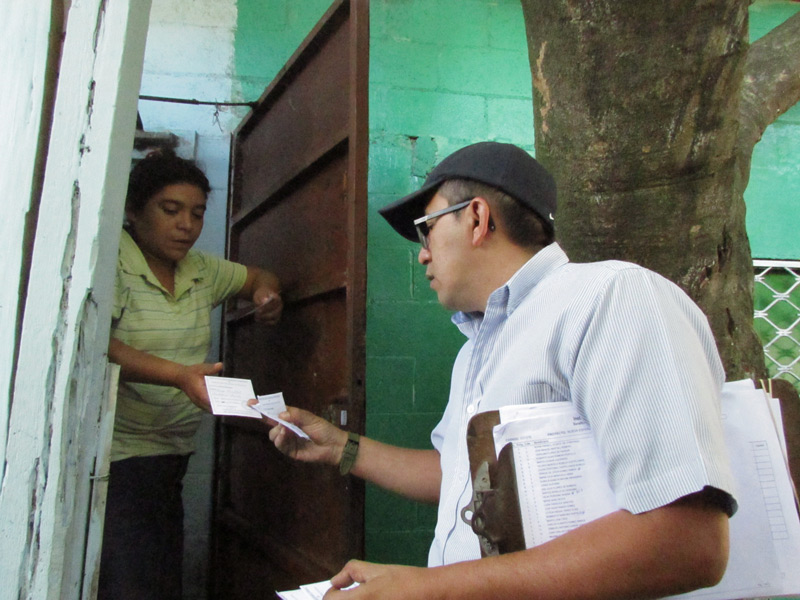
{"x":306,"y":232}
{"x":298,"y":208}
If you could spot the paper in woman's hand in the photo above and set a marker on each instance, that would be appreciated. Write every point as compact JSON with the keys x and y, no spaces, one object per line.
{"x":229,"y":396}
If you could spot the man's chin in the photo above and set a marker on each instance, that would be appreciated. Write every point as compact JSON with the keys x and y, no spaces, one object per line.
{"x":446,"y":304}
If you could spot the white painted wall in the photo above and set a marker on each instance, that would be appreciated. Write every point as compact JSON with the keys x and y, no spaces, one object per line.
{"x":190,"y":55}
{"x":53,"y":406}
{"x":23,"y":63}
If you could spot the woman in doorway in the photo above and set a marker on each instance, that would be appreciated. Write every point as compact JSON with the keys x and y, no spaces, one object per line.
{"x":160,"y":336}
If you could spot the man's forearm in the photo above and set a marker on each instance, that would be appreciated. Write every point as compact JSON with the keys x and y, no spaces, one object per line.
{"x":670,"y":550}
{"x":412,"y":473}
{"x":415,"y":474}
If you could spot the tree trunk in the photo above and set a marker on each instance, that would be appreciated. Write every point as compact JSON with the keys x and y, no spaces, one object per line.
{"x":636,"y":108}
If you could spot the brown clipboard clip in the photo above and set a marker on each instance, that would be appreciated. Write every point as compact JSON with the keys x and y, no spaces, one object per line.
{"x":494,"y":509}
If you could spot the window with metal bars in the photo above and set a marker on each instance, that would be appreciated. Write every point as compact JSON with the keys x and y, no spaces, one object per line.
{"x":777,"y":316}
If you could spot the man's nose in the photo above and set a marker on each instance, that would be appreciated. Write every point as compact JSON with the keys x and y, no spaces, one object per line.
{"x":185,"y":220}
{"x":424,"y":256}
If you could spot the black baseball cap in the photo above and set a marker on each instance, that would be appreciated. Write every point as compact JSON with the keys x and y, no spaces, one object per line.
{"x":505,"y":167}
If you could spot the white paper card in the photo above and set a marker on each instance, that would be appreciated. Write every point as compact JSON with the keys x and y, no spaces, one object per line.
{"x":310,"y":591}
{"x":271,"y":405}
{"x":229,"y":396}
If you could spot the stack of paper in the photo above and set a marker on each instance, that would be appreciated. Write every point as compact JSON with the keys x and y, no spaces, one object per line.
{"x":562,"y":484}
{"x":561,"y":476}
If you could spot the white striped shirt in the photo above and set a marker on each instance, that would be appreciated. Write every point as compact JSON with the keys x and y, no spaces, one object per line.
{"x":632,"y":352}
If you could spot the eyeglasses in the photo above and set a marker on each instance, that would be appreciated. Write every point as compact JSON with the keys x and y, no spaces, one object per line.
{"x":424,"y":226}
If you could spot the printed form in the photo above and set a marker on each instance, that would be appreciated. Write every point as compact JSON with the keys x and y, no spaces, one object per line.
{"x":765,"y":531}
{"x":559,"y":470}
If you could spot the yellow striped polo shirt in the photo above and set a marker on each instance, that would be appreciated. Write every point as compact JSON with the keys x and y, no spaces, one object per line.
{"x":156,"y":419}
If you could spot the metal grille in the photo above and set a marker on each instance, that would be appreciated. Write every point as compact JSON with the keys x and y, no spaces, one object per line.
{"x":777,"y":316}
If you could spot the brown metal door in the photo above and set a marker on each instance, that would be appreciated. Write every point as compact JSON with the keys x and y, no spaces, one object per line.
{"x":298,"y":208}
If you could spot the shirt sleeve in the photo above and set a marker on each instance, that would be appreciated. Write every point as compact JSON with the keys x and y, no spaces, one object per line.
{"x":227,"y":277}
{"x":648,"y":380}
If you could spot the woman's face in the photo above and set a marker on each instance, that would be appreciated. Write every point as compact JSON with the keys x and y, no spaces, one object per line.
{"x":170,"y":223}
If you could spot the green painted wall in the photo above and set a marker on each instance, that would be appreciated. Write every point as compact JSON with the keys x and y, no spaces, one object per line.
{"x":773,"y":193}
{"x":267,"y":34}
{"x":444,"y":74}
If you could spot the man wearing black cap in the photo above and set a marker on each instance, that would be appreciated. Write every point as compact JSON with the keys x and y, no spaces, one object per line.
{"x":631,"y":352}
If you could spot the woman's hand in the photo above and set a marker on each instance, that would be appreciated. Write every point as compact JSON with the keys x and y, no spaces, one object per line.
{"x":269,"y":305}
{"x":142,"y":367}
{"x":264,"y":290}
{"x":192,"y":382}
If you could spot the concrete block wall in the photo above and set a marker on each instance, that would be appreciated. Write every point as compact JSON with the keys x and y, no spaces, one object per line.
{"x":268,"y":32}
{"x":189,"y":55}
{"x":442,"y":75}
{"x":773,"y":193}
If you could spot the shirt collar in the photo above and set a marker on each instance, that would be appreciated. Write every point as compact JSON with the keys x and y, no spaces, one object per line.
{"x":516,"y":289}
{"x":132,"y":261}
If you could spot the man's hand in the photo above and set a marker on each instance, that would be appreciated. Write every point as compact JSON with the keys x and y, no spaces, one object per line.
{"x":326,"y":444}
{"x":386,"y":582}
{"x":192,"y":382}
{"x":412,"y":473}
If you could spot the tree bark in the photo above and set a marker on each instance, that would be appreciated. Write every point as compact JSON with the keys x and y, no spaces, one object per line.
{"x":636,"y":112}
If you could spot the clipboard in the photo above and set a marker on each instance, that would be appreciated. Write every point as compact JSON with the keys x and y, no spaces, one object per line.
{"x":494,"y":513}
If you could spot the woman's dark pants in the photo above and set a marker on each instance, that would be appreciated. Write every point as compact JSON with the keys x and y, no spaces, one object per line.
{"x":143,"y":533}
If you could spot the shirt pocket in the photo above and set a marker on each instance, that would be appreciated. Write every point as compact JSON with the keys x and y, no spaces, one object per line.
{"x":533,"y":393}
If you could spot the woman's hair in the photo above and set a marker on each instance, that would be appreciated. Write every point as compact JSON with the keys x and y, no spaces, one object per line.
{"x":158,"y":170}
{"x":522,"y":226}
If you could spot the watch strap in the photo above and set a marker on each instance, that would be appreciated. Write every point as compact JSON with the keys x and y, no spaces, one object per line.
{"x":349,"y":453}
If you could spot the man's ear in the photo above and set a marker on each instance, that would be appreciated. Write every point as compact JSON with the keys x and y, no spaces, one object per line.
{"x":481,"y":216}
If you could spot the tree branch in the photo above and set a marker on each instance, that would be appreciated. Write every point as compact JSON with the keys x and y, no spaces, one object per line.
{"x":771,"y":83}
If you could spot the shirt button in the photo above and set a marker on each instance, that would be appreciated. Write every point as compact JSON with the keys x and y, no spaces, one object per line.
{"x":471,"y":409}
